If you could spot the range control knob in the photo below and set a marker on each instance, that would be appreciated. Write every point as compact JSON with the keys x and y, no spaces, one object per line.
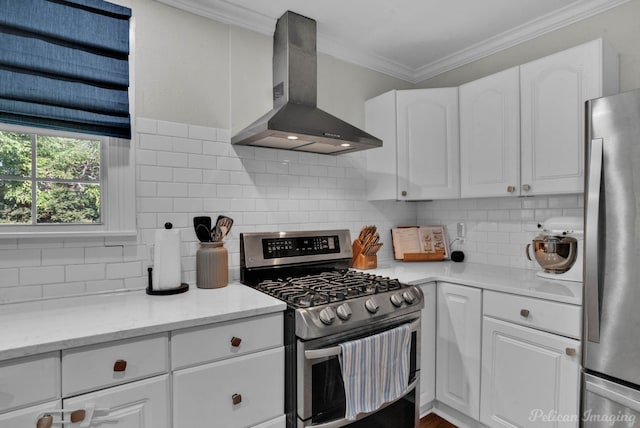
{"x":327,"y":316}
{"x":371,"y":305}
{"x":397,"y":300}
{"x":409,"y":296}
{"x":344,"y":311}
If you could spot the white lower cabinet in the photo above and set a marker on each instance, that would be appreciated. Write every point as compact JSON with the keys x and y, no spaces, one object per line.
{"x":28,"y":417}
{"x":428,"y":347}
{"x":227,"y":375}
{"x":458,"y":348}
{"x":528,"y":374}
{"x":141,"y":404}
{"x":236,"y":392}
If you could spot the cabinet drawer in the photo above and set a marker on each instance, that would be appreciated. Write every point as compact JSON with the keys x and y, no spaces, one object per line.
{"x":204,"y":395}
{"x":206,"y":344}
{"x":555,"y":317}
{"x":94,"y":367}
{"x":30,"y":380}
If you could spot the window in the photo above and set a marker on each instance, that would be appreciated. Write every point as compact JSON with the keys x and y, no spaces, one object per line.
{"x":49,"y":179}
{"x":66,"y":162}
{"x":58,"y":183}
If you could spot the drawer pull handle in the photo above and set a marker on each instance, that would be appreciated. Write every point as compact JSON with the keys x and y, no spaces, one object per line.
{"x":236,"y":398}
{"x":46,"y":421}
{"x":524,"y":313}
{"x":120,"y":366}
{"x":511,"y":189}
{"x":77,"y":416}
{"x":403,"y":193}
{"x":235,"y":341}
{"x":571,"y":352}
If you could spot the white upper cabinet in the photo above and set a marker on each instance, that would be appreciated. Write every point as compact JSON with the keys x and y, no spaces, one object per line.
{"x":553,"y":91}
{"x":490,"y":135}
{"x":522,"y":129}
{"x":419,"y":159}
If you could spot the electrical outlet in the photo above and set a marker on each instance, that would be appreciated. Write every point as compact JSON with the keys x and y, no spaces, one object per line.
{"x":462,"y":230}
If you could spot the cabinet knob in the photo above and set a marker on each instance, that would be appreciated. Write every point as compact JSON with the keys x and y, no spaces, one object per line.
{"x":236,"y":398}
{"x":403,"y":193}
{"x":45,"y":421}
{"x":77,"y":416}
{"x":524,"y":313}
{"x":526,"y":187}
{"x":235,"y":341}
{"x":571,"y":352}
{"x":511,"y":189}
{"x":120,"y":366}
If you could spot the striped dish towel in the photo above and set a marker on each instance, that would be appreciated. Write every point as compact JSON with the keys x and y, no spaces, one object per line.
{"x":375,"y":370}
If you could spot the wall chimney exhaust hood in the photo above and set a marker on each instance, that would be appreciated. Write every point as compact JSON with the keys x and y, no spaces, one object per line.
{"x":296,"y":123}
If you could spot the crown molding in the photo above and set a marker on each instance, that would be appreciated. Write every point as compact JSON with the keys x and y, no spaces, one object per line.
{"x":228,"y":13}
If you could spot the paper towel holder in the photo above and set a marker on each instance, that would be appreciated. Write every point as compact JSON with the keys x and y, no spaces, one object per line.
{"x":181,"y":289}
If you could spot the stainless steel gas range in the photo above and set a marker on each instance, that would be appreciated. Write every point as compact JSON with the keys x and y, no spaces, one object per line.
{"x":327,"y":305}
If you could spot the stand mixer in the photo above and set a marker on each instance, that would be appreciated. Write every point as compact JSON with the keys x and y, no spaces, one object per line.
{"x":558,"y":248}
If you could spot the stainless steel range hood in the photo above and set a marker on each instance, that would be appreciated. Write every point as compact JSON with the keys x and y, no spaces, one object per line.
{"x":296,"y":123}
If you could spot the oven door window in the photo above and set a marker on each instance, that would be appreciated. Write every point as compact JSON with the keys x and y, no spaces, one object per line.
{"x":328,"y":397}
{"x":328,"y":402}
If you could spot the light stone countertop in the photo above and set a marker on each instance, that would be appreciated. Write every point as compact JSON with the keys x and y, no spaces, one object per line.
{"x":51,"y":325}
{"x":522,"y":282}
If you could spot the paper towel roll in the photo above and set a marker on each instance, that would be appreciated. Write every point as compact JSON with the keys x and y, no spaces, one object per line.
{"x":166,"y":260}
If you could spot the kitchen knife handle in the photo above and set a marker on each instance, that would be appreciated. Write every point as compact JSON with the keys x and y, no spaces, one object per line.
{"x":592,"y":219}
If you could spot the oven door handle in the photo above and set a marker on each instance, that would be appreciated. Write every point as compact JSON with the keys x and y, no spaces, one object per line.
{"x":314,"y":354}
{"x":342,"y":422}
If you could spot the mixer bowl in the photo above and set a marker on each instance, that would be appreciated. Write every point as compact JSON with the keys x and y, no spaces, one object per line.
{"x":555,"y":254}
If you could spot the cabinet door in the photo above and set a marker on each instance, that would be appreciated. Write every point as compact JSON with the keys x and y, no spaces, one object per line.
{"x":28,"y":417}
{"x":428,"y":347}
{"x":141,"y":404}
{"x":233,"y":393}
{"x":528,"y":374}
{"x":428,"y":144}
{"x":490,"y":135}
{"x":458,"y":348}
{"x":553,"y":92}
{"x":380,"y":121}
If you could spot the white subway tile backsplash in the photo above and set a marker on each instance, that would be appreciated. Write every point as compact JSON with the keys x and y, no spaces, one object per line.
{"x":41,"y":275}
{"x":9,"y":277}
{"x":203,"y":133}
{"x":510,"y":224}
{"x":19,"y":258}
{"x":103,"y":254}
{"x":173,"y":129}
{"x":85,"y":272}
{"x":124,"y":270}
{"x":186,"y":170}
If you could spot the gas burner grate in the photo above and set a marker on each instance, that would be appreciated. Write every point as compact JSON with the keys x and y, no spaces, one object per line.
{"x":327,"y":287}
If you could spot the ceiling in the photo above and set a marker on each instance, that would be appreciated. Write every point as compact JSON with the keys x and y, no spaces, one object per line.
{"x":409,"y":39}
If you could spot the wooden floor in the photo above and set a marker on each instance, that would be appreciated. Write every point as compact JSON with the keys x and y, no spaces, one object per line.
{"x":434,"y":421}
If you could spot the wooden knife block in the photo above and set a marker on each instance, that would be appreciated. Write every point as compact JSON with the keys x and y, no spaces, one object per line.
{"x":359,"y":260}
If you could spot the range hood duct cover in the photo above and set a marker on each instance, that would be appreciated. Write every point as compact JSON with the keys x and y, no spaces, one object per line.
{"x":296,"y":123}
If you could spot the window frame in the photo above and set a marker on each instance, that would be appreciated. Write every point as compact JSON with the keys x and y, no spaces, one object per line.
{"x":117,"y":208}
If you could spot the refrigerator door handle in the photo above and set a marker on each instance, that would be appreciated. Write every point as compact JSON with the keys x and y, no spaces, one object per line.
{"x":591,"y":274}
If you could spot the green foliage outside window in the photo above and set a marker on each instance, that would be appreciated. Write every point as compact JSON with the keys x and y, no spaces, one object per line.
{"x":66,"y":179}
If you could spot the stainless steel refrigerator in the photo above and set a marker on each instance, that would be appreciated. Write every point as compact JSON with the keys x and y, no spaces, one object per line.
{"x":611,"y":344}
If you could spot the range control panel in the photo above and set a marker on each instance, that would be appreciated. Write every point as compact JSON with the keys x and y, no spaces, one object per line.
{"x":275,"y":248}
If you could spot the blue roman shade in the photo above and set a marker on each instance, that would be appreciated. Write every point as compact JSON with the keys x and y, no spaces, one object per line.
{"x":64,"y":65}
